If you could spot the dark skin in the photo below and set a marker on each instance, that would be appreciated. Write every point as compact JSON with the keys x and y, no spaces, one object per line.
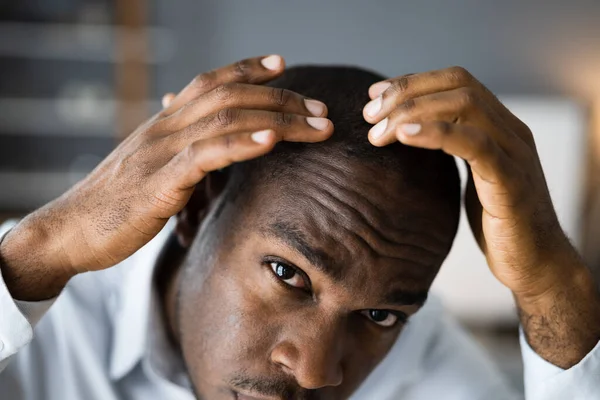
{"x":152,"y":175}
{"x":507,"y":199}
{"x":313,"y":286}
{"x":220,"y":118}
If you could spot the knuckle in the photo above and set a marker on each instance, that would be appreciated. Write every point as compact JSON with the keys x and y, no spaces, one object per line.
{"x":468,"y":96}
{"x":224,"y":92}
{"x":203,"y":81}
{"x":241,"y":69}
{"x":282,"y":119}
{"x":280,"y":97}
{"x":190,"y":153}
{"x":227,"y":142}
{"x":226,"y":117}
{"x":445,"y":128}
{"x":408,"y":105}
{"x":158,"y":128}
{"x":459,"y":75}
{"x":401,"y":85}
{"x":525,"y":133}
{"x":139,"y":162}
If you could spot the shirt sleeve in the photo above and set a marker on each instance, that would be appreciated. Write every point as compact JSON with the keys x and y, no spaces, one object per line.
{"x":17,"y":318}
{"x":545,"y":381}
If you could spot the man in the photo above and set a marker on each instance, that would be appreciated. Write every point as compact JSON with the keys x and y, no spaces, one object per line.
{"x":300,"y":270}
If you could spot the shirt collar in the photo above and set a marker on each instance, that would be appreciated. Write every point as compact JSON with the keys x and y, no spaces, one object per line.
{"x":132,"y":319}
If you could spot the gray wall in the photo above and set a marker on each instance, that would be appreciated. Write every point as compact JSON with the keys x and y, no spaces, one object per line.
{"x":513,"y":46}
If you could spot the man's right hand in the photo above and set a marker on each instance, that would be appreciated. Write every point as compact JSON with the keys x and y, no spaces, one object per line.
{"x":220,"y":118}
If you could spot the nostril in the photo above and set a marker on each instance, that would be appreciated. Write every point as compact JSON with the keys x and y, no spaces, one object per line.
{"x":287,"y":370}
{"x":286,"y":356}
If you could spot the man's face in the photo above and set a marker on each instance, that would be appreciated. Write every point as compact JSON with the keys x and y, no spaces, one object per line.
{"x":311,"y":285}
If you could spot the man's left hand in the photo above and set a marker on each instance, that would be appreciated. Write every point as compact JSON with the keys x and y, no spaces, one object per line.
{"x":508,"y":201}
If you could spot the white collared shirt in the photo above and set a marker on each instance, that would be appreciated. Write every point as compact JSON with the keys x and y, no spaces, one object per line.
{"x":103,"y":339}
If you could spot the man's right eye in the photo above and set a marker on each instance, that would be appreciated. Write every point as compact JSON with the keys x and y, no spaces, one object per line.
{"x":288,"y":274}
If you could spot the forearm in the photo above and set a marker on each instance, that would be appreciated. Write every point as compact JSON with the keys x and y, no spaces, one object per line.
{"x":562,"y":325}
{"x":32,"y":260}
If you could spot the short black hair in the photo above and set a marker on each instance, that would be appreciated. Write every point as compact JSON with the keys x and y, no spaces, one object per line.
{"x":345,"y":92}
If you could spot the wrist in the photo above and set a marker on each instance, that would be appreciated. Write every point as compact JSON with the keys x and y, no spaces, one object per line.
{"x":554,"y":271}
{"x":561,"y":320}
{"x":564,"y":280}
{"x":32,"y":260}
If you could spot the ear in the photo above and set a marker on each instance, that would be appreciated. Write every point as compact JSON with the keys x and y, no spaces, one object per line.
{"x":190,"y":218}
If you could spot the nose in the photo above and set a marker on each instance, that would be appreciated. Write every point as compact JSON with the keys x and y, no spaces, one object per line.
{"x":312,"y":353}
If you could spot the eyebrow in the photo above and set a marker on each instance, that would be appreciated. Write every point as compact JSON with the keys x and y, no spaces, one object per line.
{"x":403,"y":297}
{"x":293,"y":236}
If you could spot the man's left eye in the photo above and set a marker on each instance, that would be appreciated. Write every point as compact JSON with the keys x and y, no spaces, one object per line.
{"x":288,"y":274}
{"x":381,"y":317}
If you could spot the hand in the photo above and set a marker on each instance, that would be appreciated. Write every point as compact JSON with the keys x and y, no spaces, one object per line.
{"x":450,"y":110}
{"x":508,"y":202}
{"x":218,"y":119}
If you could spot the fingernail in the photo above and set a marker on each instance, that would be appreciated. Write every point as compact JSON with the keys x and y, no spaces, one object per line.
{"x":378,"y":88}
{"x":378,"y":129}
{"x":318,"y":123}
{"x":271,"y":62}
{"x":411,"y":129}
{"x":315,"y":107}
{"x":262,"y":137}
{"x":167,"y":99}
{"x":374,"y":106}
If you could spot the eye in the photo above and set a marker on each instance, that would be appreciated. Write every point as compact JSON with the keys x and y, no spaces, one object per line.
{"x":381,"y":317}
{"x":288,"y":274}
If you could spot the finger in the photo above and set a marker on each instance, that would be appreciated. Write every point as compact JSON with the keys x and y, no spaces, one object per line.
{"x":423,"y":82}
{"x":436,"y":107}
{"x":388,"y":94}
{"x":463,"y":106}
{"x":289,"y":127}
{"x":167,"y":99}
{"x":406,"y":87}
{"x":192,"y":164}
{"x":378,"y":88}
{"x":473,"y":145}
{"x":251,"y":70}
{"x":246,"y":96}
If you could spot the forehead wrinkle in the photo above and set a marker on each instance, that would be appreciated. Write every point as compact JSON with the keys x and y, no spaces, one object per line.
{"x":294,"y":237}
{"x":390,"y":248}
{"x":408,"y":262}
{"x":389,"y":245}
{"x":325,"y":170}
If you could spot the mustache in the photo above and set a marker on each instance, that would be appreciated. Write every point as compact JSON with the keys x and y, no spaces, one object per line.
{"x":273,"y":387}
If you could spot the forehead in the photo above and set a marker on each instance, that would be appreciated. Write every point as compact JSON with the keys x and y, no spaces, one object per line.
{"x":350,"y":216}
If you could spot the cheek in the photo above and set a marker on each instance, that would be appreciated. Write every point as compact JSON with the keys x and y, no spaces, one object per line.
{"x":364,"y":352}
{"x":224,"y":326}
{"x":231,"y":322}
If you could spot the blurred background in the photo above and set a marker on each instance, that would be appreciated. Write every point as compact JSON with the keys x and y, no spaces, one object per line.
{"x":76,"y":76}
